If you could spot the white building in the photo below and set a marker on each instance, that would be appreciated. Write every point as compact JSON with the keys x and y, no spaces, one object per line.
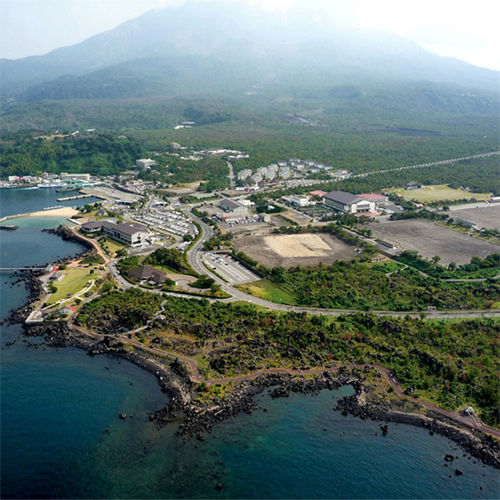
{"x":130,"y":234}
{"x":81,"y":177}
{"x":298,"y":200}
{"x":145,"y":163}
{"x":347,"y":202}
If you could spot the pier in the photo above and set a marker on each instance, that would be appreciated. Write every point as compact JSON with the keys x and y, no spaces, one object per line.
{"x":45,"y":268}
{"x":77,"y":197}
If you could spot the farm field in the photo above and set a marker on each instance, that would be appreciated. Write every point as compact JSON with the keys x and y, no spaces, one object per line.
{"x":430,"y":239}
{"x":485,"y":216}
{"x":429,"y":194}
{"x":294,"y":249}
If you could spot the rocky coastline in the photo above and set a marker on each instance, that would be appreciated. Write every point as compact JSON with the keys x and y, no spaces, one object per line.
{"x":195,"y":417}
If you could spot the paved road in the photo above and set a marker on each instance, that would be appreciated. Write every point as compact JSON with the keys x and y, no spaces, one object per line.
{"x":194,"y":258}
{"x":231,"y":175}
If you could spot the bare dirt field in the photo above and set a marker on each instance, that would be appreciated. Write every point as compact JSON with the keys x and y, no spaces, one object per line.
{"x":295,"y":249}
{"x":430,"y":239}
{"x":485,"y":216}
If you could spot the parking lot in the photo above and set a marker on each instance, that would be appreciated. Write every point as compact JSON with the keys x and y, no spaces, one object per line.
{"x":431,"y":239}
{"x":228,"y":268}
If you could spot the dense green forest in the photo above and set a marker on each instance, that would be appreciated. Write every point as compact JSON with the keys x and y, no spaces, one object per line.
{"x":120,"y":311}
{"x":213,"y":171}
{"x":102,"y":154}
{"x":450,"y":363}
{"x":359,"y":285}
{"x":169,"y":258}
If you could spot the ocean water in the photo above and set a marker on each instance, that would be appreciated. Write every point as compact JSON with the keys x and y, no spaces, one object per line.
{"x":61,"y":436}
{"x":24,"y":200}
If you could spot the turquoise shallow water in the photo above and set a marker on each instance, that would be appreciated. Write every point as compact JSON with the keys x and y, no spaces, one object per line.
{"x":57,"y":405}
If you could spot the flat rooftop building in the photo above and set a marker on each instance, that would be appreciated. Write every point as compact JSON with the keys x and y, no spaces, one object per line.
{"x":232,"y":206}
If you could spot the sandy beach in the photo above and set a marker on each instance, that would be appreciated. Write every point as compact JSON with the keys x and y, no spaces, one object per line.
{"x":56,"y":212}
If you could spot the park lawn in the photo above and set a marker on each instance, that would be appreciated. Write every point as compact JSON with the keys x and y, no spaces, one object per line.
{"x":74,"y":280}
{"x":443,"y":192}
{"x":267,"y":291}
{"x":111,"y":246}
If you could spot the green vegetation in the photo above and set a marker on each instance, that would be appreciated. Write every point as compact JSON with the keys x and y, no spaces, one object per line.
{"x":103,"y":154}
{"x":447,"y":362}
{"x":112,"y":247}
{"x":116,"y":311}
{"x":268,"y":291}
{"x":203,"y":281}
{"x":173,"y":170}
{"x":169,"y":258}
{"x":358,"y":285}
{"x":488,"y":267}
{"x":441,"y":193}
{"x":127,"y":264}
{"x":75,"y":280}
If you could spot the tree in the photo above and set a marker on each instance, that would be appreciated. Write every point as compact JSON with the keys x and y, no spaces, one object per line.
{"x":436,"y":259}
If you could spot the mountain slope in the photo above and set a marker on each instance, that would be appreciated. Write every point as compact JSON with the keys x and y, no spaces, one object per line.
{"x":214,"y":47}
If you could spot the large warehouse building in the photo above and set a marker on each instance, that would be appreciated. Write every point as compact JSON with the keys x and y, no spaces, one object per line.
{"x":347,"y":202}
{"x":130,"y":234}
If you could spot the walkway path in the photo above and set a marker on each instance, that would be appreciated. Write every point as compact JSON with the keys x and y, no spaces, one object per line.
{"x":196,"y":376}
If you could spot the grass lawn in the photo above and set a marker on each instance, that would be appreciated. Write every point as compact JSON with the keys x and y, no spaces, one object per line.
{"x":111,"y":246}
{"x":439,"y":193}
{"x":74,"y":280}
{"x":267,"y":291}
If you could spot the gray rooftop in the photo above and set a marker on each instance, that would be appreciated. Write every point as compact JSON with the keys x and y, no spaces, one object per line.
{"x":229,"y":204}
{"x":125,"y":228}
{"x":343,"y":197}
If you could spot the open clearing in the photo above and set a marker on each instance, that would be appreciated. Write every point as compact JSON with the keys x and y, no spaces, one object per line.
{"x":439,"y":193}
{"x":486,"y":216}
{"x":430,"y":239}
{"x":74,"y":280}
{"x":295,"y":249}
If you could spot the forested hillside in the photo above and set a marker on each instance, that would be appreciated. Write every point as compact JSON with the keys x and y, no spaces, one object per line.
{"x":103,"y":154}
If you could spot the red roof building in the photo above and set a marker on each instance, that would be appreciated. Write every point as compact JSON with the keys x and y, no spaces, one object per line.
{"x":374,"y":197}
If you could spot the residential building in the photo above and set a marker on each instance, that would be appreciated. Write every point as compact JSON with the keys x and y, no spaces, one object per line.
{"x":347,"y":202}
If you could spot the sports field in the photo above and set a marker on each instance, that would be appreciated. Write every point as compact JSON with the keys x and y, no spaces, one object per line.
{"x":443,"y":192}
{"x":295,"y":249}
{"x":430,"y":239}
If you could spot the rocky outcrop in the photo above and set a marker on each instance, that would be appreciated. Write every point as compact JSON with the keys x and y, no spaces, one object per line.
{"x":478,"y":444}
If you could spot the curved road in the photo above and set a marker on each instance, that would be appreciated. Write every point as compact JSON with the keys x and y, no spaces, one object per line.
{"x":194,"y":258}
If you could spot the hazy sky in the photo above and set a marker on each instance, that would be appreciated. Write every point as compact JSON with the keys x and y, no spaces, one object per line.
{"x":466,"y":30}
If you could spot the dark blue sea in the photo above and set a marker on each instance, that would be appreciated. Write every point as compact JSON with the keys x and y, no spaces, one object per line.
{"x":61,"y":436}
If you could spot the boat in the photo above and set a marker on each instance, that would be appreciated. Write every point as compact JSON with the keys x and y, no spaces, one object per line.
{"x":9,"y":227}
